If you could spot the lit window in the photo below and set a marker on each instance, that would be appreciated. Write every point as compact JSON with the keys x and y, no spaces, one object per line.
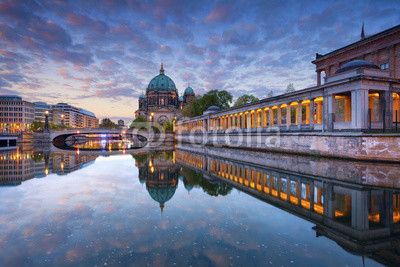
{"x":385,"y":66}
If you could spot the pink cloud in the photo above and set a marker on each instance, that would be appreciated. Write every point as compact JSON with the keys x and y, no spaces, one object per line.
{"x":218,"y":14}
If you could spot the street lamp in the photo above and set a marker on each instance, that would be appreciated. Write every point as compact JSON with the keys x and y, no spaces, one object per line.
{"x":62,"y":121}
{"x":151,"y":121}
{"x":46,"y":122}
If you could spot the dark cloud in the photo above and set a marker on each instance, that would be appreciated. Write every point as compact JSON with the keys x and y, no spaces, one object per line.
{"x":241,"y":34}
{"x":83,"y":22}
{"x":195,"y":49}
{"x":175,"y":32}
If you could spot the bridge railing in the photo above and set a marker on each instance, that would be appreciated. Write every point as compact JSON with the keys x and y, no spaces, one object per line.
{"x":86,"y":129}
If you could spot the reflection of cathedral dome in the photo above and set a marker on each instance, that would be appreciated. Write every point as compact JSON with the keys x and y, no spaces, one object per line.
{"x":161,"y":194}
{"x":188,"y":187}
{"x":180,"y":99}
{"x":162,"y":82}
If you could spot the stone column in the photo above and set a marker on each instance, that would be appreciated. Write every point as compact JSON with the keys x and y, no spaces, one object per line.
{"x":299,"y":114}
{"x":262,"y":118}
{"x":359,"y":109}
{"x":329,"y":112}
{"x":243,"y":118}
{"x":359,"y":210}
{"x":386,"y":106}
{"x":279,"y":121}
{"x":318,"y":77}
{"x":312,"y":114}
{"x":288,"y":116}
{"x":299,"y":190}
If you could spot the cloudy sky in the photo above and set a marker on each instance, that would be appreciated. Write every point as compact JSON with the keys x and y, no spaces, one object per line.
{"x":100,"y":55}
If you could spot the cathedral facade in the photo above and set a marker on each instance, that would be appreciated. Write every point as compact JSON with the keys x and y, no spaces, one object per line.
{"x":162,"y":101}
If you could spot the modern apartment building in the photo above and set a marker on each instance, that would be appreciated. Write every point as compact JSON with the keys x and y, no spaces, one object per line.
{"x":77,"y":117}
{"x":55,"y":116}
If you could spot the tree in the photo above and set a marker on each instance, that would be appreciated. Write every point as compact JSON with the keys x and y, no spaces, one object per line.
{"x":140,"y":123}
{"x":168,"y":127}
{"x":187,"y":110}
{"x":107,"y":123}
{"x":194,"y":178}
{"x":245,"y":99}
{"x":140,"y":159}
{"x":290,"y":88}
{"x":37,"y":126}
{"x":221,"y":99}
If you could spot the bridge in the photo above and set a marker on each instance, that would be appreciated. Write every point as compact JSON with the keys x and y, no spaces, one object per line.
{"x":58,"y":137}
{"x":153,"y":139}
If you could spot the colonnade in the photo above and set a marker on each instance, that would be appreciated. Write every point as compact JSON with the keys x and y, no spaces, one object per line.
{"x":291,"y":114}
{"x":342,"y":111}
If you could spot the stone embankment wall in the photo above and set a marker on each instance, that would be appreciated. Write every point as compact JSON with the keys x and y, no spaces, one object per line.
{"x":42,"y":138}
{"x":356,"y":146}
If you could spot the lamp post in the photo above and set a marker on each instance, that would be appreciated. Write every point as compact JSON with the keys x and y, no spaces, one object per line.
{"x":46,"y":122}
{"x":62,"y":121}
{"x":151,"y":120}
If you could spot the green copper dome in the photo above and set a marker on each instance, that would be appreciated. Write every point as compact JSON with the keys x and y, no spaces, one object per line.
{"x":142,"y":96}
{"x":162,"y":82}
{"x":180,"y":99}
{"x":189,"y":90}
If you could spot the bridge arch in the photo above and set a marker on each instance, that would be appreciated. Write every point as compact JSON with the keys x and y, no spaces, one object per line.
{"x":58,"y":138}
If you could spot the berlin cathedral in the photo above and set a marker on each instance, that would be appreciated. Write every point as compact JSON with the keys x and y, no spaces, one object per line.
{"x":162,"y":101}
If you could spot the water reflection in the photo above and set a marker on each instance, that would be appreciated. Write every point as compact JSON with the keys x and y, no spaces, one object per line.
{"x":96,"y":208}
{"x":161,"y":174}
{"x":360,"y":218}
{"x":110,"y":142}
{"x":17,"y":166}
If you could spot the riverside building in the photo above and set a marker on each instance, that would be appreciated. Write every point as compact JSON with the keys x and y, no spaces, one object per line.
{"x":55,"y":116}
{"x":366,"y":92}
{"x":77,"y":117}
{"x":15,"y":114}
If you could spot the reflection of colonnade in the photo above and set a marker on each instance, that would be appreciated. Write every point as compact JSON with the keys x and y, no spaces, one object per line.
{"x":339,"y":209}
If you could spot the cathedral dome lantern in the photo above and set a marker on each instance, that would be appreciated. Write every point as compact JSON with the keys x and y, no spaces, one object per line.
{"x":162,"y":82}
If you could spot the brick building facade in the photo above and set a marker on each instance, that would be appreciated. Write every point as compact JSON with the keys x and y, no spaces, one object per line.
{"x":382,"y":49}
